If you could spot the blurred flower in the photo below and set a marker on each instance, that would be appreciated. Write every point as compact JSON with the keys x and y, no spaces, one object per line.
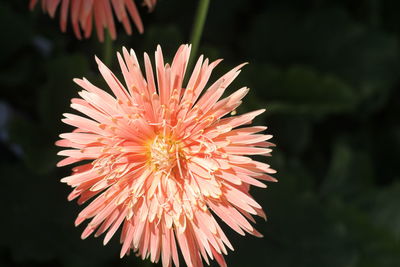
{"x":83,"y":12}
{"x":163,"y":159}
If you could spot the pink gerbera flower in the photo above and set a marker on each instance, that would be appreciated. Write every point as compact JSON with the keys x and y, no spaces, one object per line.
{"x":83,"y":12}
{"x":164,"y":161}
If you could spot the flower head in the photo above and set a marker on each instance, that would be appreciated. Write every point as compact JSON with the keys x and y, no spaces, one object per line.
{"x":82,"y":13}
{"x":165,"y":159}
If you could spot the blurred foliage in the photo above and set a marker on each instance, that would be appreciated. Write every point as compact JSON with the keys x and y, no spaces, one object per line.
{"x":326,"y":70}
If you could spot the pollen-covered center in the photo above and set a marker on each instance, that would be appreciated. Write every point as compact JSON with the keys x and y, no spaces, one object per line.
{"x":164,"y":153}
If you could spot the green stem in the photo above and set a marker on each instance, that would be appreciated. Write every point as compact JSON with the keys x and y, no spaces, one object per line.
{"x":198,"y":25}
{"x":108,"y":48}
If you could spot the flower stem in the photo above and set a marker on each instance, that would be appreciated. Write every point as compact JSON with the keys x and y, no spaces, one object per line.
{"x":197,"y":30}
{"x":108,"y":48}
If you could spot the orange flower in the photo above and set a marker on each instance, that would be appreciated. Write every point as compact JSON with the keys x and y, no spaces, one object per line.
{"x":83,"y":12}
{"x":165,"y":159}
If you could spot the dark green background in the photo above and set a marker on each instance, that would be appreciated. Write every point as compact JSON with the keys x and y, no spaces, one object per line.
{"x":328,"y":74}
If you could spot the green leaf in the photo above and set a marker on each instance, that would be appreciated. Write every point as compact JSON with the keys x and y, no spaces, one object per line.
{"x":331,"y":42}
{"x":384,"y":211}
{"x":302,"y":90}
{"x":350,"y":171}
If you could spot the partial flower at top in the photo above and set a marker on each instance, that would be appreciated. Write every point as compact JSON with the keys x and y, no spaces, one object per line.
{"x":84,"y":12}
{"x":165,"y":159}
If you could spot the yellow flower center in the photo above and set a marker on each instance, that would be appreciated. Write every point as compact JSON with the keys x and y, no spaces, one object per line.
{"x":164,"y":152}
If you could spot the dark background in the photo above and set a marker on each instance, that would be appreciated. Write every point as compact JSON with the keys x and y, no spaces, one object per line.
{"x":328,"y":73}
